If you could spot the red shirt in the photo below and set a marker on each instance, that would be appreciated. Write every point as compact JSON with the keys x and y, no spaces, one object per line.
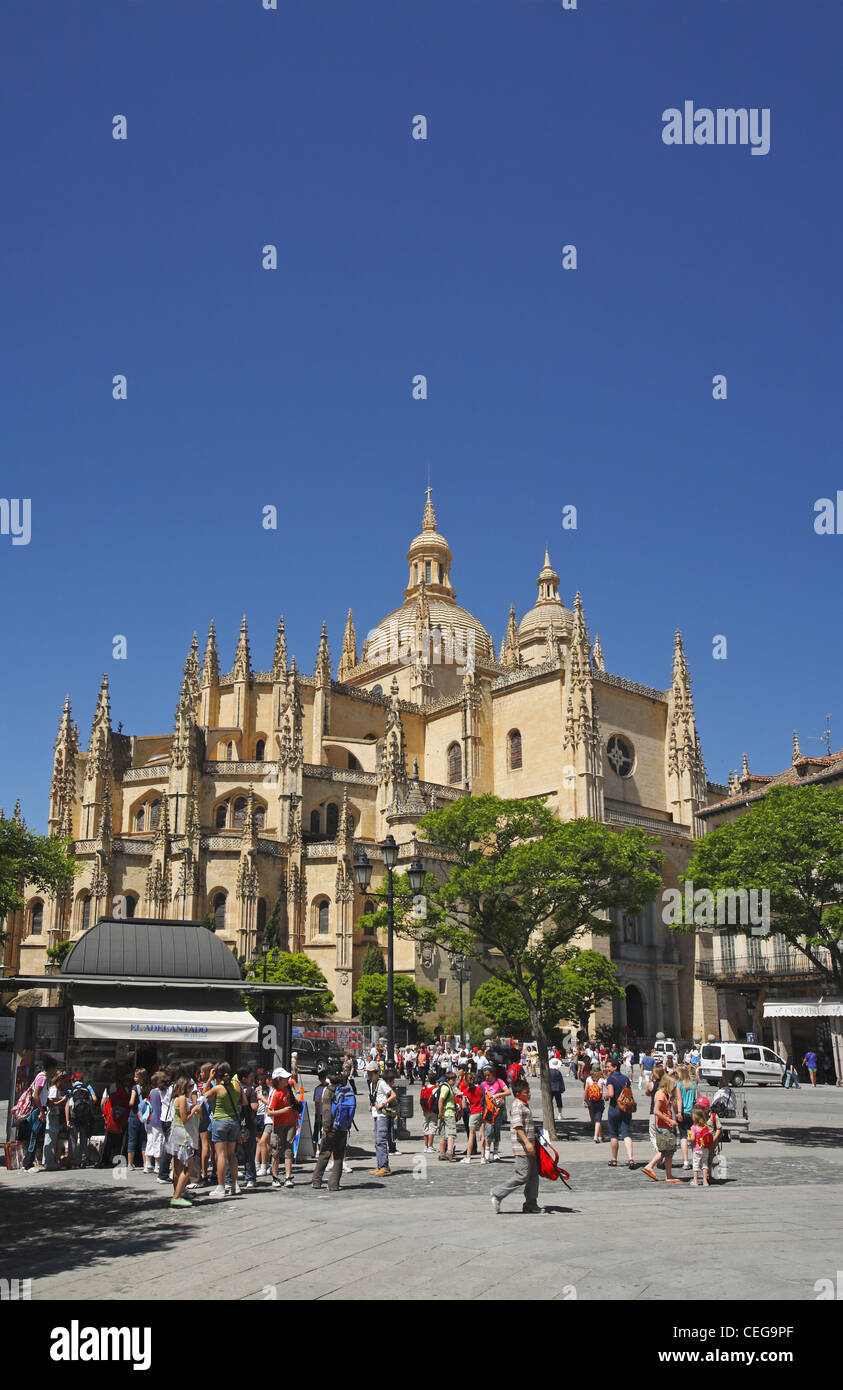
{"x":282,"y":1100}
{"x":475,"y":1096}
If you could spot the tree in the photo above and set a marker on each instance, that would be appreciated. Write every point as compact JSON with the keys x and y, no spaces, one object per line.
{"x":26,"y":857}
{"x":373,"y":962}
{"x":209,"y":922}
{"x":411,"y":1001}
{"x":502,"y":1000}
{"x":587,"y":981}
{"x":791,"y":844}
{"x":272,"y":930}
{"x":284,"y":968}
{"x":59,"y":952}
{"x":525,"y":885}
{"x":475,"y":1020}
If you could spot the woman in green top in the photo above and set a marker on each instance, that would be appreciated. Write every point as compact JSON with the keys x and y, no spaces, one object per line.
{"x":223,"y":1097}
{"x":183,"y":1139}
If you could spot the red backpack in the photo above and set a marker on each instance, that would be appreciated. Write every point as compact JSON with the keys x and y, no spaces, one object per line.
{"x":548,"y":1162}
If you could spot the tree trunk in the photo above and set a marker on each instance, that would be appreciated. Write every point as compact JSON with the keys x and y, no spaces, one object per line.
{"x":544,"y":1071}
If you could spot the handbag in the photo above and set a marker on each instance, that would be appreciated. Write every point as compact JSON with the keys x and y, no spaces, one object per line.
{"x":665,"y":1141}
{"x":626,"y":1101}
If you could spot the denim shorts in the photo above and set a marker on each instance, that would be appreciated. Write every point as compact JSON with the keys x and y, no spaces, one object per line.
{"x":618,"y":1123}
{"x":225,"y":1131}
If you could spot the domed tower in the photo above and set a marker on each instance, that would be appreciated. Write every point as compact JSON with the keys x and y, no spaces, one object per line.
{"x":429,"y":642}
{"x":546,"y":629}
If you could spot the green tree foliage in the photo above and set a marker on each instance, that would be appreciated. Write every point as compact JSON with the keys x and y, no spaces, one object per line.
{"x":525,"y":885}
{"x":791,"y":843}
{"x":272,"y":931}
{"x":284,"y":968}
{"x":59,"y":952}
{"x":25,"y":857}
{"x":411,"y":1001}
{"x":588,"y":980}
{"x":373,"y":962}
{"x":475,"y":1020}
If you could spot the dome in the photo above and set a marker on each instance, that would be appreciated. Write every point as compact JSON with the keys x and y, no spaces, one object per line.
{"x":460,"y":629}
{"x":537,"y":619}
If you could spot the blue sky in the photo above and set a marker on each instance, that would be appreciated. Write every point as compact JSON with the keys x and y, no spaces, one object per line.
{"x":546,"y":387}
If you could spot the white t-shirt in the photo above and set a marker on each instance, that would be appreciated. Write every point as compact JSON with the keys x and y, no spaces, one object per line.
{"x":381,"y":1097}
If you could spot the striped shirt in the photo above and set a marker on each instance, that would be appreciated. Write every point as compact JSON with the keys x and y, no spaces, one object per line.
{"x":521,"y":1117}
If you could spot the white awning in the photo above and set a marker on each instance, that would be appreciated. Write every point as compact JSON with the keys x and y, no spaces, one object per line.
{"x":143,"y":1025}
{"x":803,"y":1008}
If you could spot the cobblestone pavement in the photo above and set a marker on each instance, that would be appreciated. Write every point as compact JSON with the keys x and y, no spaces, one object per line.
{"x":776,"y":1227}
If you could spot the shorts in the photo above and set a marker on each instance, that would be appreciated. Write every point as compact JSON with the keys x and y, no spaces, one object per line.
{"x":700,"y":1159}
{"x":154,"y":1141}
{"x":447,"y":1126}
{"x":282,"y":1141}
{"x":475,"y":1121}
{"x":684,"y":1126}
{"x":618,"y":1123}
{"x":595,"y":1111}
{"x":225,"y":1131}
{"x":431,"y":1124}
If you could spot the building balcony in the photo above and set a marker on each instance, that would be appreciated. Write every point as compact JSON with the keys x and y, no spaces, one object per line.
{"x":645,"y":822}
{"x":746,"y":970}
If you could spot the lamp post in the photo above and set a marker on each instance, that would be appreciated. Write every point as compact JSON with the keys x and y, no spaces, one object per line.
{"x":461,"y":972}
{"x":363,"y":876}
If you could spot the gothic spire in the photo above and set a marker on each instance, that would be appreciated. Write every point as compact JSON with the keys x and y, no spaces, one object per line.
{"x":597,"y":659}
{"x":99,"y":749}
{"x":242,"y":657}
{"x":429,"y":518}
{"x":796,"y":750}
{"x":183,"y":744}
{"x":191,"y":668}
{"x":745,"y":767}
{"x":211,"y":665}
{"x":279,"y":660}
{"x":348,"y":660}
{"x":323,"y":659}
{"x":511,"y":650}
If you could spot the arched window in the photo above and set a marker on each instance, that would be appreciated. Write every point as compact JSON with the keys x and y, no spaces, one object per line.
{"x":324,"y":918}
{"x":140,"y":818}
{"x":260,"y":817}
{"x":369,"y":930}
{"x":315,"y":822}
{"x":219,"y":912}
{"x":131,"y":904}
{"x":239,"y":813}
{"x":332,"y":819}
{"x":261,"y":918}
{"x":514,"y":742}
{"x":36,"y":919}
{"x":221,"y":815}
{"x":260,"y":749}
{"x":154,"y":813}
{"x":427,"y":571}
{"x":85,"y":916}
{"x":441,"y":574}
{"x":454,"y":764}
{"x":230,"y":753}
{"x":377,"y":689}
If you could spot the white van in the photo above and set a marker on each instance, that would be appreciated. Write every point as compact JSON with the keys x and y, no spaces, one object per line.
{"x":745,"y":1063}
{"x":665,"y":1047}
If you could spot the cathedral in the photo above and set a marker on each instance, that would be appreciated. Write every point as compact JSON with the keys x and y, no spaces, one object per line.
{"x":272,"y":778}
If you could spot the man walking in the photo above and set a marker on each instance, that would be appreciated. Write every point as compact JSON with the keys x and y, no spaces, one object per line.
{"x":523,"y":1133}
{"x":338,"y":1105}
{"x":79,"y":1116}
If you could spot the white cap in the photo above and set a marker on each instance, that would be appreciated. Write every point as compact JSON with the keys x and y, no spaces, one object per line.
{"x":280,"y":1074}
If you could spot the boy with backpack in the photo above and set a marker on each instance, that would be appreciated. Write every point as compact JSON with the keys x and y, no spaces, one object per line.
{"x":431,"y":1118}
{"x":523,"y":1131}
{"x":705,"y":1133}
{"x":79,"y":1115}
{"x":338,"y":1105}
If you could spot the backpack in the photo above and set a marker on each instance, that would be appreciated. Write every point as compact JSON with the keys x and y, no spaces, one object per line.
{"x":343,"y":1108}
{"x":81,"y":1107}
{"x":706,"y":1139}
{"x":24,"y":1105}
{"x":547,"y":1161}
{"x":594,"y":1093}
{"x":144,"y":1111}
{"x":626,"y":1101}
{"x":426,"y":1097}
{"x":434,"y":1099}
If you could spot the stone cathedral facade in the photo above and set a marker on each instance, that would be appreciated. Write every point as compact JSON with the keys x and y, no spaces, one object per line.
{"x":272,"y":777}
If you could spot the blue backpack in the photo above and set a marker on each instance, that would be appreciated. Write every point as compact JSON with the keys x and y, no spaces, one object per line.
{"x":343,"y":1107}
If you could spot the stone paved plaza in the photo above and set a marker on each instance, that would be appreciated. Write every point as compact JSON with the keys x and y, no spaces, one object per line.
{"x":770,"y":1233}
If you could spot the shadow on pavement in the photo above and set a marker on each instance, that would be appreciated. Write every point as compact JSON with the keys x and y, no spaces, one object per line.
{"x":816,"y":1137}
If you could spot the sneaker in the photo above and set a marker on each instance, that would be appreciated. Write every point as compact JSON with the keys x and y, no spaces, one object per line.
{"x":216,"y":1192}
{"x":165,"y":1181}
{"x":686,"y":1166}
{"x":236,"y":1190}
{"x":191,"y":1187}
{"x":276,"y":1182}
{"x":496,"y":1203}
{"x":532,"y":1211}
{"x":483,"y":1158}
{"x":289,"y":1182}
{"x":249,"y":1186}
{"x":347,"y":1168}
{"x":465,"y":1160}
{"x":180,"y":1202}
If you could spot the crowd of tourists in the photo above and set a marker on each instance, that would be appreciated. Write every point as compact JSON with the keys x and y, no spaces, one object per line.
{"x":205,"y":1127}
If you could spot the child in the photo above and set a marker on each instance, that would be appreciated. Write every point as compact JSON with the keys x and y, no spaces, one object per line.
{"x":431,"y":1119}
{"x":705,"y":1132}
{"x":523,"y":1132}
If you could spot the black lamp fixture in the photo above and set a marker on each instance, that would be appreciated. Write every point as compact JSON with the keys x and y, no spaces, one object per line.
{"x":362,"y":869}
{"x":415,"y":874}
{"x":389,"y":850}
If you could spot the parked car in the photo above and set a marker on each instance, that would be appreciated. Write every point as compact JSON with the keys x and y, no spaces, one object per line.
{"x":745,"y":1062}
{"x":315,"y":1053}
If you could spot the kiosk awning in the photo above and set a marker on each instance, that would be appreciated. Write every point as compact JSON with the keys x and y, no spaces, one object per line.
{"x":803,"y":1008}
{"x":139,"y":1025}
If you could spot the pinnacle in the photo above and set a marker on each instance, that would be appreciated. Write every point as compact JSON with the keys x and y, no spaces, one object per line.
{"x":429,"y":518}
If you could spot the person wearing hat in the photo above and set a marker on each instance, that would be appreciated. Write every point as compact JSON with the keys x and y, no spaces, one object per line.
{"x":382,"y":1096}
{"x":283,"y":1110}
{"x":79,"y":1117}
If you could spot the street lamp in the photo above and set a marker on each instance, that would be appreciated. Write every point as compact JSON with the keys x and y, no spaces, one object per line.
{"x":461,"y":971}
{"x":257,"y":953}
{"x":363,"y":876}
